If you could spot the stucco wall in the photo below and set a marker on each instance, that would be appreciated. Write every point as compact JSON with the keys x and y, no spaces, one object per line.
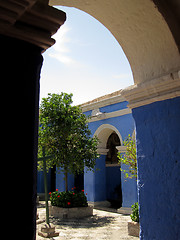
{"x":158,"y":149}
{"x":60,"y":182}
{"x":129,"y":189}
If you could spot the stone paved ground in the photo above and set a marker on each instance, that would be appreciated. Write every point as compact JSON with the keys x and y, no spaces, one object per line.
{"x":102,"y":225}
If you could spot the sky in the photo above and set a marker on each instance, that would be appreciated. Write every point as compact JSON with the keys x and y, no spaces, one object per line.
{"x":86,"y":60}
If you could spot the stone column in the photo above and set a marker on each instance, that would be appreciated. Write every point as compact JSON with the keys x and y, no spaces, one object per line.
{"x":156,"y":110}
{"x":95,"y":182}
{"x":20,"y":71}
{"x":26,"y":29}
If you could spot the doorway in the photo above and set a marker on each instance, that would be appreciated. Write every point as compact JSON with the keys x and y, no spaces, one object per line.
{"x":113,"y":173}
{"x":79,"y":182}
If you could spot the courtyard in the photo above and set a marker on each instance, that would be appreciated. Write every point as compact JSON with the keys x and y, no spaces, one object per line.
{"x":102,"y":225}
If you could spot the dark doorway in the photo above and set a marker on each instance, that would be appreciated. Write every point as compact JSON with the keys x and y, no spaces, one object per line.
{"x":113,"y":173}
{"x":112,"y":142}
{"x":79,"y":182}
{"x":53,"y":179}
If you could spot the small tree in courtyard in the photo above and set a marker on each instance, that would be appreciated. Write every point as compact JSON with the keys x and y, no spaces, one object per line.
{"x":129,"y":158}
{"x":64,"y":133}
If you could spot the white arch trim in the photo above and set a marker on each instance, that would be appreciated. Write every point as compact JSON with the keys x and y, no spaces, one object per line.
{"x":103,"y":132}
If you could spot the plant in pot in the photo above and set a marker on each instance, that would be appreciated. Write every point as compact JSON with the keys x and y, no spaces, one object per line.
{"x":70,"y":204}
{"x":68,"y":199}
{"x":133,"y":226}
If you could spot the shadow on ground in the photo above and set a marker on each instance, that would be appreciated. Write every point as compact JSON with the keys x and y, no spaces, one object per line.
{"x":89,"y":222}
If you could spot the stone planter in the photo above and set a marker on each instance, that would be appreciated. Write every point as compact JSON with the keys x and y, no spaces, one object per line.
{"x":79,"y":212}
{"x":133,"y":229}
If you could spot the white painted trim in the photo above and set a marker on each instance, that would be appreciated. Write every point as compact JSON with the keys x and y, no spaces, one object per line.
{"x":124,"y":210}
{"x":102,"y":151}
{"x":103,"y":132}
{"x":103,"y":116}
{"x":112,"y":165}
{"x":159,"y":89}
{"x":121,"y":149}
{"x":99,"y":204}
{"x":103,"y":103}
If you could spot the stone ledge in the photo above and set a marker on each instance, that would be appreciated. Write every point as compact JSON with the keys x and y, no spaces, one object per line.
{"x":33,"y":21}
{"x":125,"y":210}
{"x":79,"y":212}
{"x":158,"y":89}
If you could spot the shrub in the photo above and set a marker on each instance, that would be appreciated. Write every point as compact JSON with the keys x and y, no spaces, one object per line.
{"x":135,"y":212}
{"x":68,"y":199}
{"x":129,"y":158}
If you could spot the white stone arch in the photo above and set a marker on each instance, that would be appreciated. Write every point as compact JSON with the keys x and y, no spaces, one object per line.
{"x":103,"y":132}
{"x":141,"y":31}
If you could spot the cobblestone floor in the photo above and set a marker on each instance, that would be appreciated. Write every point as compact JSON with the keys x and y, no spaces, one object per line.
{"x":102,"y":225}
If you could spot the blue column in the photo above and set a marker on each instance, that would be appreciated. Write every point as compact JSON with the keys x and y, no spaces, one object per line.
{"x":100,"y":179}
{"x":158,"y":152}
{"x":89,"y":186}
{"x":129,"y":189}
{"x":95,"y":182}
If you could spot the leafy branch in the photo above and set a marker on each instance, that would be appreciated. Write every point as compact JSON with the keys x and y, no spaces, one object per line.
{"x":129,"y":158}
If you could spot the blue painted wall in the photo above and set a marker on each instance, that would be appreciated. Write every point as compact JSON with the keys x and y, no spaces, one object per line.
{"x":89,"y":184}
{"x":113,"y":181}
{"x":124,"y":124}
{"x":40,"y":181}
{"x":158,"y":151}
{"x":129,"y":189}
{"x":100,"y":180}
{"x":114,"y":107}
{"x":95,"y":182}
{"x":110,"y":108}
{"x":60,"y":182}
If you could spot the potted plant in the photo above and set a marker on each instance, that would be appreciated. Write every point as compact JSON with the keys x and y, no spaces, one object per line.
{"x":70,"y":204}
{"x":133,"y":226}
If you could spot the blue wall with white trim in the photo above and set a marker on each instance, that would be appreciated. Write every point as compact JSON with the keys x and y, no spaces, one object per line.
{"x":103,"y":183}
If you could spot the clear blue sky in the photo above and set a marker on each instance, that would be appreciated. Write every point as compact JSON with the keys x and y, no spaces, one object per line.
{"x":86,"y":60}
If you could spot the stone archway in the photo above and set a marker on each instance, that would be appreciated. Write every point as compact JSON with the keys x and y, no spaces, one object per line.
{"x":141,"y":31}
{"x":148,"y":33}
{"x":103,"y":133}
{"x":110,"y":138}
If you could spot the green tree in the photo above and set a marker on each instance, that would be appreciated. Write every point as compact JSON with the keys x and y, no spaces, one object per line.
{"x":129,"y":158}
{"x":64,"y":133}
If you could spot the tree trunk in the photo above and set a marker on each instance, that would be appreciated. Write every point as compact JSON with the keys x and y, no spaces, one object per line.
{"x":66,"y":179}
